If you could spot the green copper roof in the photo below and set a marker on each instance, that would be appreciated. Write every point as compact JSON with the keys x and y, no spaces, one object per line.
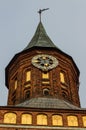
{"x":40,"y":38}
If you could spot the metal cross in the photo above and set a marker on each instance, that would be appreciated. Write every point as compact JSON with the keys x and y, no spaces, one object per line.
{"x":40,"y":11}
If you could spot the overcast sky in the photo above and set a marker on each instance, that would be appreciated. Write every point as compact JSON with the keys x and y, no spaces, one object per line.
{"x":65,"y":23}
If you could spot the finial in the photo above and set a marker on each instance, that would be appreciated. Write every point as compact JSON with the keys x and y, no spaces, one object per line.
{"x":40,"y":11}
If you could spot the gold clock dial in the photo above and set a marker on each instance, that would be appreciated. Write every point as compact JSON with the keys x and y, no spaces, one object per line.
{"x":44,"y":62}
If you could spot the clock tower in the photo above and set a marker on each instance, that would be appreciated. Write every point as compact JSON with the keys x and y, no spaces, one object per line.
{"x":43,"y":85}
{"x":42,"y":71}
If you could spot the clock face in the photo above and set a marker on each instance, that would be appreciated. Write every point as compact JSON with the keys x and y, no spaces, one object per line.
{"x":44,"y":62}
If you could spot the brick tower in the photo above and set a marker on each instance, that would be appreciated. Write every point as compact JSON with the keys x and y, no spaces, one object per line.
{"x":43,"y":84}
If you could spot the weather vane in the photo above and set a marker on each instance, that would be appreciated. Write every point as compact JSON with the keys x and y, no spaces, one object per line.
{"x":40,"y":12}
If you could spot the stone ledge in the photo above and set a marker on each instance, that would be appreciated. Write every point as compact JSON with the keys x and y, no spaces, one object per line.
{"x":39,"y":127}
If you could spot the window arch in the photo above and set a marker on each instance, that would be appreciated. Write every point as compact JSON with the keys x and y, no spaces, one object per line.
{"x":10,"y":118}
{"x":15,"y":84}
{"x":62,"y":77}
{"x":84,"y":120}
{"x":42,"y":119}
{"x":28,"y":75}
{"x":45,"y":91}
{"x":65,"y":94}
{"x":57,"y":120}
{"x":27,"y":94}
{"x":26,"y":119}
{"x":27,"y":78}
{"x":72,"y":120}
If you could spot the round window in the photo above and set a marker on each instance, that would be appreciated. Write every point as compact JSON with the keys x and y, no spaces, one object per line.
{"x":45,"y":92}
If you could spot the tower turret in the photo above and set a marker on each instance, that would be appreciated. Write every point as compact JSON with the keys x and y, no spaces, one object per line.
{"x":42,"y":72}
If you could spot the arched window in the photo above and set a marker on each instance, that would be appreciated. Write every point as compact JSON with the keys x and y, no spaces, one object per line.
{"x":28,"y":75}
{"x":72,"y":121}
{"x":57,"y":120}
{"x":27,"y":94}
{"x":15,"y":84}
{"x":26,"y":119}
{"x":84,"y":120}
{"x":10,"y":118}
{"x":46,"y":92}
{"x":65,"y":94}
{"x":27,"y":78}
{"x":62,"y":78}
{"x":41,"y":119}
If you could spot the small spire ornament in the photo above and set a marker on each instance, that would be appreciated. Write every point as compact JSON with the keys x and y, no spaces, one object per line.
{"x":40,"y":12}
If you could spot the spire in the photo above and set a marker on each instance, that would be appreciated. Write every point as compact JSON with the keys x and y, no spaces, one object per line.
{"x":40,"y":38}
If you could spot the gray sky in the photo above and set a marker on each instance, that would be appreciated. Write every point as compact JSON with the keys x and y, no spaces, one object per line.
{"x":65,"y":23}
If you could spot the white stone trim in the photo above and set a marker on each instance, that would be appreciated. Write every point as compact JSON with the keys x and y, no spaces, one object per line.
{"x":39,"y":127}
